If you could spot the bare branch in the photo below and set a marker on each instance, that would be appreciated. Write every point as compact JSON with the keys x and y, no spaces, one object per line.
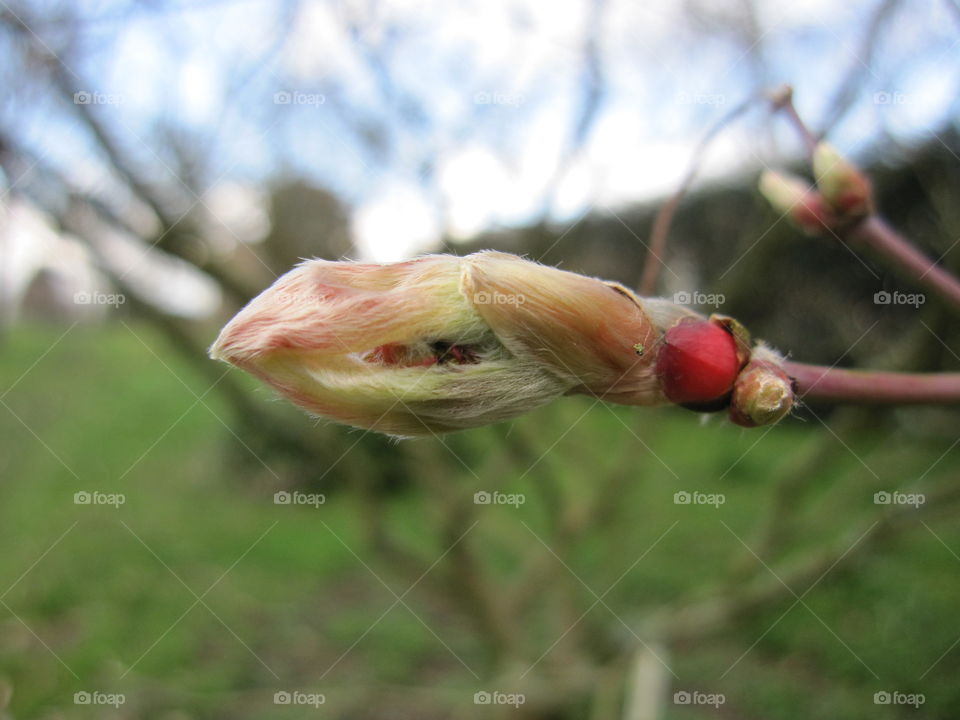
{"x":661,"y":224}
{"x":815,"y":382}
{"x":849,"y":90}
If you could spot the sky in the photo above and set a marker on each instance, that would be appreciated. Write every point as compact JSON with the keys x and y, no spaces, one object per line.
{"x":446,"y":119}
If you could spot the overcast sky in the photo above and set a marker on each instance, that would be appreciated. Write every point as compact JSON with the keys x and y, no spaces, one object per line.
{"x":431,"y":116}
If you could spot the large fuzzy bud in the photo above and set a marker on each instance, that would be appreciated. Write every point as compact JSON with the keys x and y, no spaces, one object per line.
{"x":443,"y":343}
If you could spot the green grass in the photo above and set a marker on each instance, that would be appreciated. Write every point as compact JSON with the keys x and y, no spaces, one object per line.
{"x":104,"y":598}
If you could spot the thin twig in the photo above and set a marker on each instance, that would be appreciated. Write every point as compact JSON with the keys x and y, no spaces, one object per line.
{"x":849,"y":91}
{"x":664,"y":219}
{"x":875,"y":234}
{"x":777,"y":523}
{"x":816,"y":382}
{"x":696,"y":621}
{"x":782,"y":100}
{"x":466,"y":572}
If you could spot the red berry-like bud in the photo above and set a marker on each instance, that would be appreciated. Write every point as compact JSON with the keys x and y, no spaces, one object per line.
{"x":697,"y":362}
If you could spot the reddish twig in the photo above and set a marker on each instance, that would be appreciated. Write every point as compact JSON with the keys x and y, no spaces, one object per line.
{"x":872,"y":232}
{"x":876,"y":235}
{"x":781,"y":100}
{"x":815,"y":382}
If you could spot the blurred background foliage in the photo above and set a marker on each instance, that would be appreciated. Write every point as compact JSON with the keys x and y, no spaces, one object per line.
{"x":182,"y":156}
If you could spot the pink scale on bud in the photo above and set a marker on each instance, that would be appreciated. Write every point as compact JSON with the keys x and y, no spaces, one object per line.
{"x":398,"y":356}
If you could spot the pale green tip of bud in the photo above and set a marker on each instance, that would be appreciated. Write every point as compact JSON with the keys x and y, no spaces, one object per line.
{"x":782,"y":191}
{"x":844,"y":187}
{"x":793,"y":197}
{"x":829,"y":166}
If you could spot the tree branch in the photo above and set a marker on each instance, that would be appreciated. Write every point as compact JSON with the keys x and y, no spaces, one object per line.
{"x":664,"y":219}
{"x":815,"y":382}
{"x":698,"y":620}
{"x":876,"y":235}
